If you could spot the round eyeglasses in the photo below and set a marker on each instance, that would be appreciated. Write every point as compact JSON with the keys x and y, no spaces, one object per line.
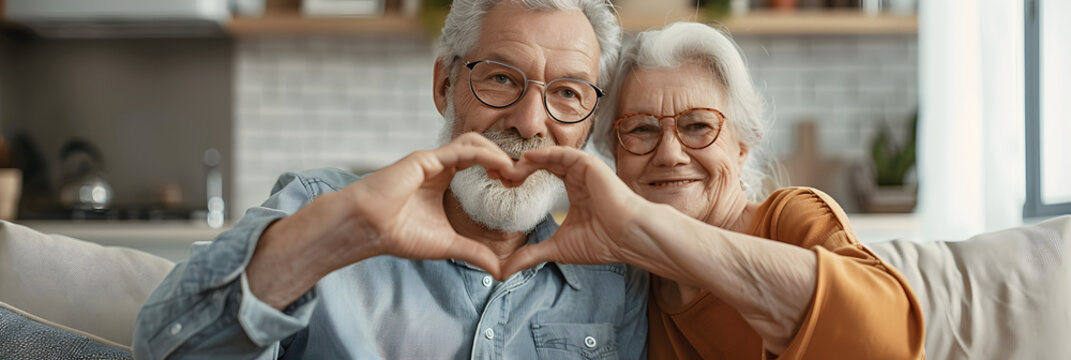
{"x":500,"y":85}
{"x":696,"y":128}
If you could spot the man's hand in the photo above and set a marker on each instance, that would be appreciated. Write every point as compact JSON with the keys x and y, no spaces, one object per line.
{"x":397,"y":211}
{"x":403,"y":203}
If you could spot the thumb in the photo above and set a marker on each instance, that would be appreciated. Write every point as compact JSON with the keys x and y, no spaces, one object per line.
{"x":475,"y":253}
{"x":529,"y":256}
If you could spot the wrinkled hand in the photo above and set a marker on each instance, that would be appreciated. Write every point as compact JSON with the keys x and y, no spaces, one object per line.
{"x":599,"y":226}
{"x":402,"y":204}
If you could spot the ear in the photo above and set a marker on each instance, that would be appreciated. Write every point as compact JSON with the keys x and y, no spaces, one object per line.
{"x":744,"y":151}
{"x":441,"y":84}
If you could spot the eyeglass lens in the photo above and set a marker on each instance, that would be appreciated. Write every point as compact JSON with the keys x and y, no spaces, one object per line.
{"x":695,"y":129}
{"x":498,"y":85}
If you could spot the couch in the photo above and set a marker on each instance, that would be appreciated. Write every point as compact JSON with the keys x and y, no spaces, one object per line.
{"x":998,"y":295}
{"x":79,"y":298}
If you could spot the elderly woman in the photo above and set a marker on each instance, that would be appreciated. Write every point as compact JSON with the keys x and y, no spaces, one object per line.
{"x":732,"y":277}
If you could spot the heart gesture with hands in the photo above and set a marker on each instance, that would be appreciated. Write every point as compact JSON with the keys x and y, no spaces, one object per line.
{"x":399,"y":211}
{"x":600,"y":226}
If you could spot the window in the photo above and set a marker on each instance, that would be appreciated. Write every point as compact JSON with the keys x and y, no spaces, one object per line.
{"x":1048,"y":107}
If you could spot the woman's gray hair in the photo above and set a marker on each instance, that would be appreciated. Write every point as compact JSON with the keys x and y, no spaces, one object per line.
{"x":683,"y":42}
{"x":462,"y":28}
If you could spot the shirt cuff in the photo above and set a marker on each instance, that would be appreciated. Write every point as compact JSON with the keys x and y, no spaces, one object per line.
{"x":264,"y":324}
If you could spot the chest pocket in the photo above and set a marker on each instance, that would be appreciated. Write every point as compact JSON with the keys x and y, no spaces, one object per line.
{"x":575,"y":341}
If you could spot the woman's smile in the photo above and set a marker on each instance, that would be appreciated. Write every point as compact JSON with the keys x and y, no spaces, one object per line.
{"x":671,"y":184}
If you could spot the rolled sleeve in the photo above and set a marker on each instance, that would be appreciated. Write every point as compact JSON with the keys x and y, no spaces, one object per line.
{"x":861,"y":309}
{"x":204,"y":309}
{"x":264,"y":324}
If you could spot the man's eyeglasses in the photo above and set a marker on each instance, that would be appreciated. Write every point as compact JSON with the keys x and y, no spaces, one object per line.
{"x":696,"y":128}
{"x":500,"y":85}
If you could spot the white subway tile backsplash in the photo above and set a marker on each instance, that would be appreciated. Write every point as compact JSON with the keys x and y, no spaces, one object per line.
{"x":360,"y":103}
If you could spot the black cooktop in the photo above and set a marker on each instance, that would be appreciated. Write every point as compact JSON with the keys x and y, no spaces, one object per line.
{"x":113,"y":214}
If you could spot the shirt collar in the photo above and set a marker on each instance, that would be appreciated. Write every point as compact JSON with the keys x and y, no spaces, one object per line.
{"x":543,"y":231}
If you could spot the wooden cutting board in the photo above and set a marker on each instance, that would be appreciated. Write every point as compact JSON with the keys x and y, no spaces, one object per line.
{"x":807,"y":166}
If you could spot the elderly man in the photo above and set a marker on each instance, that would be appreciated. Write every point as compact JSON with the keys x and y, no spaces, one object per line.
{"x":402,"y":263}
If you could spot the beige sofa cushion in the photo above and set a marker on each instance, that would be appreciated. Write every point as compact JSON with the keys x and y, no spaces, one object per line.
{"x":74,"y":283}
{"x":998,"y":295}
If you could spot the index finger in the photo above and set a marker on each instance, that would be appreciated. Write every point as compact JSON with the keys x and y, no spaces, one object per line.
{"x":558,"y":160}
{"x":472,"y":149}
{"x":465,"y":156}
{"x":564,"y":162}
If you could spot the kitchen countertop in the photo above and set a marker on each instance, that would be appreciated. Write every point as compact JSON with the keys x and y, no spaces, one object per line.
{"x":872,"y":228}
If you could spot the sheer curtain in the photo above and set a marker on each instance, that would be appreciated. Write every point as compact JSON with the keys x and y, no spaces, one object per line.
{"x":971,"y":163}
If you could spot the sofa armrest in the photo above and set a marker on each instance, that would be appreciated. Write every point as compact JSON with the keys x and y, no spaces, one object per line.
{"x":998,"y":295}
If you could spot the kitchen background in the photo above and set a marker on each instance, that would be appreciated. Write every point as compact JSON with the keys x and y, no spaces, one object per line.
{"x":281,"y":96}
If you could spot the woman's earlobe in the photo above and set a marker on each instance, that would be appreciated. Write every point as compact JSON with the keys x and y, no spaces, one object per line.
{"x":744,"y":151}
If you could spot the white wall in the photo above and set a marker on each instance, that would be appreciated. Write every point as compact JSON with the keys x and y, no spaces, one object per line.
{"x":355,"y":103}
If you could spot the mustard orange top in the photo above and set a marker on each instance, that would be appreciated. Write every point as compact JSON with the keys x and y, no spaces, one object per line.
{"x":862,"y":308}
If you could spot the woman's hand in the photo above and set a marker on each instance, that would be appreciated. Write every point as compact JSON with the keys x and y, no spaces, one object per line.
{"x":599,"y":227}
{"x":768,"y":282}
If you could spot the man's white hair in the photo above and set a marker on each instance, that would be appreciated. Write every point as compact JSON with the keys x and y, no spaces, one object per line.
{"x":683,"y":42}
{"x":462,"y":28}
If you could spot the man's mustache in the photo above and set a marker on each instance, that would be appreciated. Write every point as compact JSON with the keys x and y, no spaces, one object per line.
{"x":514,"y":144}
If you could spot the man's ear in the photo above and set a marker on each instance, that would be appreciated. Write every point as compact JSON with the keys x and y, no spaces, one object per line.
{"x":441,"y":84}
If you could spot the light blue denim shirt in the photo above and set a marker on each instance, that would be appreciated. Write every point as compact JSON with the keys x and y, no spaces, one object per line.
{"x":387,"y":307}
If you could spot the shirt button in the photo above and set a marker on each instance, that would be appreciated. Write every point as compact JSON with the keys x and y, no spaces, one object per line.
{"x":489,"y":333}
{"x":589,"y":342}
{"x":487,"y":281}
{"x":176,"y":328}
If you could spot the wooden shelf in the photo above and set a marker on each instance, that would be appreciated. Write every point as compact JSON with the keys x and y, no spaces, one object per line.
{"x":284,"y":17}
{"x":296,"y":24}
{"x":789,"y":23}
{"x":761,"y":23}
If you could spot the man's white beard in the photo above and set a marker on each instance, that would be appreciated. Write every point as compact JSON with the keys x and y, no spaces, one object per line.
{"x":491,"y":204}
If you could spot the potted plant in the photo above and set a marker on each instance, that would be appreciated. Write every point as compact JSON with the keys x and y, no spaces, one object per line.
{"x":432,"y":15}
{"x":10,"y":183}
{"x":720,"y":9}
{"x":886,"y":187}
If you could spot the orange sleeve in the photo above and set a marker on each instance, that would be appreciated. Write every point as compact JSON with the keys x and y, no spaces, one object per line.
{"x":861,"y":308}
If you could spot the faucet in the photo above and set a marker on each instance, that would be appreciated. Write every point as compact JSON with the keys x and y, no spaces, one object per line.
{"x":214,"y":188}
